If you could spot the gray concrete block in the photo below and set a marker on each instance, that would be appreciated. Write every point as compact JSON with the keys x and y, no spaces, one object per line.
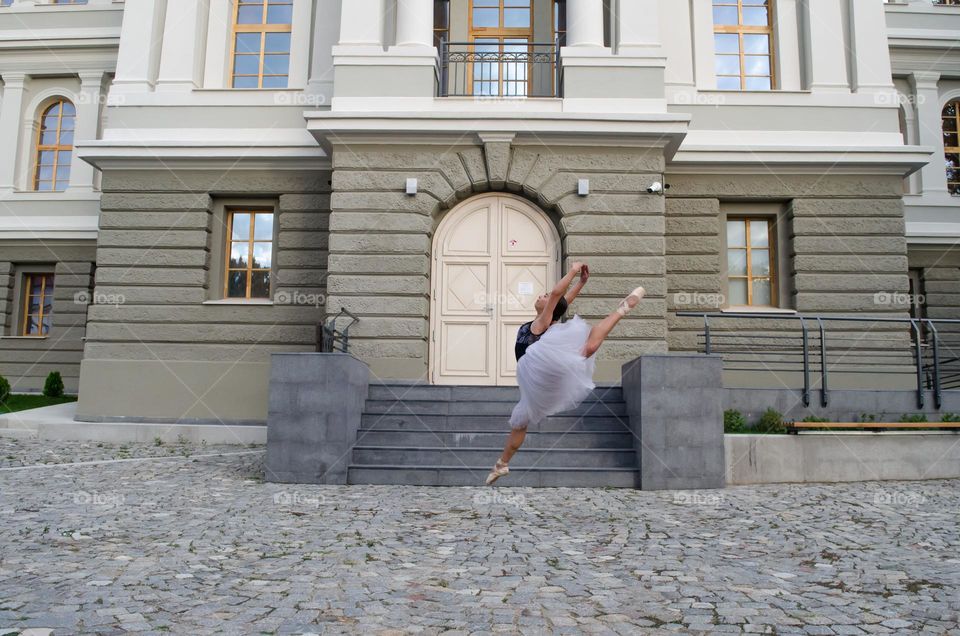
{"x":316,"y":404}
{"x":675,"y":407}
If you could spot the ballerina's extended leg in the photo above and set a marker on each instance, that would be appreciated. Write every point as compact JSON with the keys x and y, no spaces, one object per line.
{"x":602,"y":329}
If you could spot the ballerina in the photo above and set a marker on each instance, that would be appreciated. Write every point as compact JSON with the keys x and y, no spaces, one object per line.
{"x":555,"y":362}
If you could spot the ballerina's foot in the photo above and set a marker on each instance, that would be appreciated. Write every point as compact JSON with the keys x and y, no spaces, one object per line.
{"x":631,"y":301}
{"x":499,"y":470}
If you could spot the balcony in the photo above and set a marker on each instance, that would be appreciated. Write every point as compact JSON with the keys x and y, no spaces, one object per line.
{"x":500,"y":69}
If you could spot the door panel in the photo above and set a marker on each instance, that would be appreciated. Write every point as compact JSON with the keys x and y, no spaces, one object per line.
{"x":493,"y":257}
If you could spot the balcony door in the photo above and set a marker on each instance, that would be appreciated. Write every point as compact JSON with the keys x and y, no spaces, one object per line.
{"x":501,"y":32}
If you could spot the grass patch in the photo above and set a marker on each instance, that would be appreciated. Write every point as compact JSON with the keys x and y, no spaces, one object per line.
{"x":17,"y":403}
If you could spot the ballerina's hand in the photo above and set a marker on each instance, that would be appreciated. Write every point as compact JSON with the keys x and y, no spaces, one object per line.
{"x":577,"y":268}
{"x":584,"y":274}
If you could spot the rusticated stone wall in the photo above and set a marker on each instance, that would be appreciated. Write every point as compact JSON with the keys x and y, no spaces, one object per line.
{"x":381,"y":238}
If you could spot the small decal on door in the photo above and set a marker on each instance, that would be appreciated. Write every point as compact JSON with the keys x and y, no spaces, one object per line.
{"x":525,"y":289}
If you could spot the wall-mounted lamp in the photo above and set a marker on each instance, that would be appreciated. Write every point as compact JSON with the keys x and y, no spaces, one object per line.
{"x":411,"y":186}
{"x":583,"y":187}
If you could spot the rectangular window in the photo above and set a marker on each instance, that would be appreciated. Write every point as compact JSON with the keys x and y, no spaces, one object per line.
{"x":751,"y":262}
{"x":261,"y":43}
{"x":560,"y":22}
{"x":249,"y":254}
{"x":441,"y":22}
{"x":743,"y":42}
{"x":37,"y":304}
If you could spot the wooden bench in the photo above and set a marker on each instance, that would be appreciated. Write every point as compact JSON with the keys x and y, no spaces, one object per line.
{"x":796,"y":427}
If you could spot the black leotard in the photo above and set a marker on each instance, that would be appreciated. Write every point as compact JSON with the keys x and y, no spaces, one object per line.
{"x":525,"y":338}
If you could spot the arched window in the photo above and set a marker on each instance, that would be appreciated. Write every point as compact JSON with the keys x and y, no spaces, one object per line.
{"x":951,"y":145}
{"x":55,"y":147}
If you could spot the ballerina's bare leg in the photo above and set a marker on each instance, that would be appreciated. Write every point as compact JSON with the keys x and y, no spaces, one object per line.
{"x":603,"y":328}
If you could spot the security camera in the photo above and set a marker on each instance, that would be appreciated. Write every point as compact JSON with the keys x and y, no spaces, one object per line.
{"x":655,"y":188}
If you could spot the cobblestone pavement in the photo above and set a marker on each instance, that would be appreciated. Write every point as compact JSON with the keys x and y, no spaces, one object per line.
{"x":200,"y":544}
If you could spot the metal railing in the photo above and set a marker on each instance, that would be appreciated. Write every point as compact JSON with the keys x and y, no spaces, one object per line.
{"x":333,"y":340}
{"x":499,"y":69}
{"x":926,"y":348}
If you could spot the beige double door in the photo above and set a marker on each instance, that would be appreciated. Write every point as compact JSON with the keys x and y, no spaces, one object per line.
{"x":493,"y":256}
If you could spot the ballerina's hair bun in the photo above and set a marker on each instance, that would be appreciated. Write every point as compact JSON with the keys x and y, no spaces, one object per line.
{"x":560,"y":309}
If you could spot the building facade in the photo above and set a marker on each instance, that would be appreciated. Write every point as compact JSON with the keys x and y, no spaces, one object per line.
{"x":431,"y":166}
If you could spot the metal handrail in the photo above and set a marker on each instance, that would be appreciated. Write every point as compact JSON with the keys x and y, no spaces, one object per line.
{"x":925,"y":380}
{"x":516,"y":69}
{"x":330,"y":339}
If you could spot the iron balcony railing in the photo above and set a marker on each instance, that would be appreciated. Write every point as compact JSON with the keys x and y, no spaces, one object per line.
{"x":499,"y":69}
{"x":928,"y":349}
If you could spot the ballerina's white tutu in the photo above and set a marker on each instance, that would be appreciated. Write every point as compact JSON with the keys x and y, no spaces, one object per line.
{"x":553,"y":374}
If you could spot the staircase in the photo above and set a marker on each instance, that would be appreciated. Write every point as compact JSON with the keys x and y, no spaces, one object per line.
{"x":452,"y":435}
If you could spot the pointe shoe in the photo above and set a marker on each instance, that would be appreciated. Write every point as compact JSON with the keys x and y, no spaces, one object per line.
{"x":499,"y":470}
{"x":631,"y":301}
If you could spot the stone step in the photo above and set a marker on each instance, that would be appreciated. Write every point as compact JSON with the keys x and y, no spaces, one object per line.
{"x":491,"y":423}
{"x":541,"y":477}
{"x":501,"y":408}
{"x":487,"y":439}
{"x":478,"y":456}
{"x":430,"y":392}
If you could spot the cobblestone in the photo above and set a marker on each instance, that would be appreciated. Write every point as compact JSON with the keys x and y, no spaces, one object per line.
{"x":191,"y":540}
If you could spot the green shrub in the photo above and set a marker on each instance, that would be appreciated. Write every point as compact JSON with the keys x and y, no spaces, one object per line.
{"x":53,"y":387}
{"x":771,"y":422}
{"x":913,"y":417}
{"x":4,"y":389}
{"x":868,"y":417}
{"x":950,"y":417}
{"x":814,"y":418}
{"x":733,"y":421}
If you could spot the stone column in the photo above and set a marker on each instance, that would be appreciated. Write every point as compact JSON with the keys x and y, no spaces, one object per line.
{"x":415,"y":23}
{"x":638,"y":24}
{"x":87,"y":128}
{"x":11,"y":109}
{"x":140,"y":40}
{"x":585,"y":23}
{"x":933,"y":176}
{"x":184,"y":38}
{"x":361,"y":23}
{"x":326,"y":26}
{"x":826,"y":54}
{"x":870,"y":50}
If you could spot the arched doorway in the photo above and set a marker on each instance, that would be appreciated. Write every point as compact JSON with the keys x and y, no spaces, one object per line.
{"x":492,"y":256}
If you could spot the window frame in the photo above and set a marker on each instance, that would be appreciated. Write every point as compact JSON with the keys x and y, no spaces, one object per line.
{"x":740,"y":30}
{"x":772,"y":253}
{"x":263,"y":29}
{"x":229,"y":209}
{"x":951,"y":150}
{"x":779,"y":215}
{"x":24,"y":281}
{"x":56,"y":148}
